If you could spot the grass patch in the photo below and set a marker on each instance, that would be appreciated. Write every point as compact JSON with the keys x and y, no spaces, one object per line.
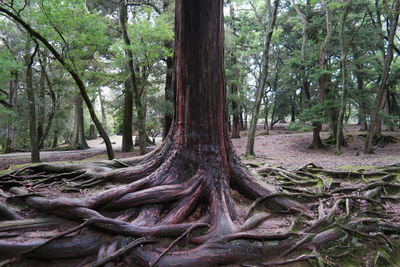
{"x":354,"y":168}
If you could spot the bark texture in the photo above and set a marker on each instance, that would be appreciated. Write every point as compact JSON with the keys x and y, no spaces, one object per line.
{"x":33,"y":134}
{"x":380,"y":99}
{"x":185,"y":188}
{"x":262,"y":80}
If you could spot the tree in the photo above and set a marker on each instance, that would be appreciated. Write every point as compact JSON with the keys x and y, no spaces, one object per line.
{"x":10,"y":10}
{"x":382,"y":90}
{"x":262,"y":79}
{"x":196,"y":165}
{"x":9,"y":77}
{"x":33,"y":135}
{"x":343,"y":60}
{"x":192,"y":181}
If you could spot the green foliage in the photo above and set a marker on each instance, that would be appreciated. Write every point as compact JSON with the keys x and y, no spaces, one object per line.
{"x":300,"y":127}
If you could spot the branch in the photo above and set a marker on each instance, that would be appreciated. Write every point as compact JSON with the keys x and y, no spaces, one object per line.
{"x":146,"y":3}
{"x":5,"y":104}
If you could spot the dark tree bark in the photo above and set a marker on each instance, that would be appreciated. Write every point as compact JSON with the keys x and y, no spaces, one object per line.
{"x":293,"y":107}
{"x":78,"y":135}
{"x":362,"y":107}
{"x":185,"y":184}
{"x":169,"y":85}
{"x":261,"y":80}
{"x":29,"y":59}
{"x":41,"y":113}
{"x":127,"y":123}
{"x":12,"y":101}
{"x":340,"y":140}
{"x":103,"y":109}
{"x":46,"y":130}
{"x":92,"y":132}
{"x":324,"y":77}
{"x":382,"y":90}
{"x":235,"y":126}
{"x":169,"y":96}
{"x":266,"y":114}
{"x":141,"y":116}
{"x":54,"y":143}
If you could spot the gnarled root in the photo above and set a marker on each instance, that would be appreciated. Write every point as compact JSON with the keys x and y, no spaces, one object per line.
{"x":170,"y":197}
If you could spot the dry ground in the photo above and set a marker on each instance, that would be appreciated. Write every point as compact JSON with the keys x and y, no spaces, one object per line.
{"x":280,"y":148}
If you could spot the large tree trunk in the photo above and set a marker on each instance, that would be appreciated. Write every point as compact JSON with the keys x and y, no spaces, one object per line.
{"x":189,"y":182}
{"x":382,"y":90}
{"x":261,"y":80}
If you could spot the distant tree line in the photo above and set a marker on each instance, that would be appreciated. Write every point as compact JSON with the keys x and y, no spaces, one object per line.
{"x":68,"y":67}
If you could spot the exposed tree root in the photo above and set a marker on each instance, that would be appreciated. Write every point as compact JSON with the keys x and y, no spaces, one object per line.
{"x":172,"y":197}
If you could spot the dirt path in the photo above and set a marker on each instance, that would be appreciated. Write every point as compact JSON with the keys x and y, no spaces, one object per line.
{"x":291,"y":150}
{"x":281,"y":147}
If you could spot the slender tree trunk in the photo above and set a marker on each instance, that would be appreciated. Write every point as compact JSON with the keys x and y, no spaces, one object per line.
{"x":141,"y":117}
{"x":241,"y":118}
{"x":358,"y":73}
{"x":323,"y":79}
{"x":92,"y":132}
{"x":41,"y":113}
{"x":75,"y":76}
{"x":52,"y":95}
{"x":169,"y":83}
{"x":103,"y":110}
{"x":78,"y":136}
{"x":29,"y":59}
{"x":343,"y":60}
{"x":9,"y":145}
{"x":127,"y":124}
{"x":380,"y":97}
{"x":55,"y":139}
{"x":293,"y":107}
{"x":266,"y":114}
{"x":169,"y":95}
{"x":262,"y":80}
{"x":235,"y":125}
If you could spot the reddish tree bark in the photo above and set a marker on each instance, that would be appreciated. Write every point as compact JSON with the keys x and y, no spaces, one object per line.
{"x":188,"y":181}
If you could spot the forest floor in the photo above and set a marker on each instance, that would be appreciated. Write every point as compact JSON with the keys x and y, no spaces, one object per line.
{"x":320,"y":190}
{"x":280,"y":147}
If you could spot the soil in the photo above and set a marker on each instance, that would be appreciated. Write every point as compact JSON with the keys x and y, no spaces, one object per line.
{"x":290,"y":149}
{"x":280,"y":147}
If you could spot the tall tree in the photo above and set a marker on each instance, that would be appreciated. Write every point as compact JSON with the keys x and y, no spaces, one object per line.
{"x":11,"y":12}
{"x":380,"y":99}
{"x":262,"y":80}
{"x":324,"y":78}
{"x":33,"y":134}
{"x":196,"y":165}
{"x":343,"y":60}
{"x":137,"y":93}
